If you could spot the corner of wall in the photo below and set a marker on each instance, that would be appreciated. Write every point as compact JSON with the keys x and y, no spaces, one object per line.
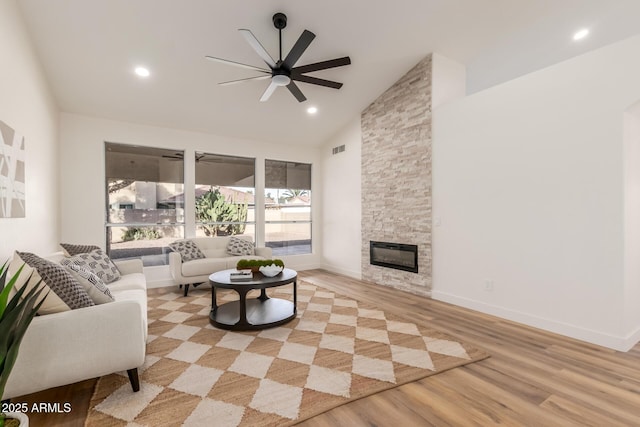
{"x":448,"y":80}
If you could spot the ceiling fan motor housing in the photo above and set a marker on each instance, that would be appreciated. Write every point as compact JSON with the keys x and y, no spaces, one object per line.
{"x":280,"y":20}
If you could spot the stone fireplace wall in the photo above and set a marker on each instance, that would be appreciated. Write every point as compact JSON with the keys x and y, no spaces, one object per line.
{"x":396,"y":177}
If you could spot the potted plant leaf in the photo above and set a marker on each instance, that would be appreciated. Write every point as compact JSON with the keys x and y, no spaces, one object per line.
{"x":16,"y":313}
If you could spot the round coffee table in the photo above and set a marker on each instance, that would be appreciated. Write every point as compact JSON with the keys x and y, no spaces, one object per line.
{"x":254,"y":313}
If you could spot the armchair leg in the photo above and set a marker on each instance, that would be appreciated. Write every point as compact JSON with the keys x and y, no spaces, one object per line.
{"x":186,"y":289}
{"x":134,"y":379}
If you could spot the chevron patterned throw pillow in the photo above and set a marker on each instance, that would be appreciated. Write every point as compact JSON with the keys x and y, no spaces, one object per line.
{"x":97,"y":262}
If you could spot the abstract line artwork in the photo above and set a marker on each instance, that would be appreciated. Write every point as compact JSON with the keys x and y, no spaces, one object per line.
{"x":12,"y":175}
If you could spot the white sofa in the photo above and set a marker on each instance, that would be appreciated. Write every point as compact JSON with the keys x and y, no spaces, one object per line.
{"x":217,"y":258}
{"x":76,"y":345}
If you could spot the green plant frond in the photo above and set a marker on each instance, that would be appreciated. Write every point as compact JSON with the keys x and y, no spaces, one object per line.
{"x":3,"y":274}
{"x":4,"y":290}
{"x":14,"y":321}
{"x":13,"y":302}
{"x":6,"y":287}
{"x":14,"y":325}
{"x":8,"y":326}
{"x":25,"y":317}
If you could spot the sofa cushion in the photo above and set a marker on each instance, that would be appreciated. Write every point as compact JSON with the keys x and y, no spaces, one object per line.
{"x":240,"y":247}
{"x":133,"y":281}
{"x":139,"y":296}
{"x":91,"y":283}
{"x":216,"y":253}
{"x":232,"y":262}
{"x":98,"y":262}
{"x":71,"y":249}
{"x":203,"y":266}
{"x":64,"y":291}
{"x":187,"y":249}
{"x":209,"y":243}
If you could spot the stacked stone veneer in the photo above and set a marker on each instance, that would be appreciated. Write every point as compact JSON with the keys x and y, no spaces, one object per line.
{"x":396,"y":177}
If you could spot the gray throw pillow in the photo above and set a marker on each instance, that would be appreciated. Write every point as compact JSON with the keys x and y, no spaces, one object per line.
{"x":238,"y":246}
{"x":60,"y":281}
{"x":187,"y":249}
{"x":97,"y":262}
{"x":71,"y":249}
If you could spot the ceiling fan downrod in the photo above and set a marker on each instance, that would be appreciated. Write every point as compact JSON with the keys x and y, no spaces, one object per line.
{"x":280,"y":22}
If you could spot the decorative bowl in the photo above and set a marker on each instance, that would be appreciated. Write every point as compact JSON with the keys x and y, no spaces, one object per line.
{"x":270,"y":270}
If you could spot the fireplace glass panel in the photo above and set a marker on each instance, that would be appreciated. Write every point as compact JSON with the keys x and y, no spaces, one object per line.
{"x":394,"y":255}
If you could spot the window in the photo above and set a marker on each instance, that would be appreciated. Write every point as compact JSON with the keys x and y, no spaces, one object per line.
{"x":145,"y":201}
{"x":225,"y":195}
{"x":288,"y":207}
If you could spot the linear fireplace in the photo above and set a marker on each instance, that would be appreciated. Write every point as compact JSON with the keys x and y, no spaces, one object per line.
{"x":394,"y":255}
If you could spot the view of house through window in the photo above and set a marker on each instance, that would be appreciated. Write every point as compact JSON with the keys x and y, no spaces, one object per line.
{"x":288,"y":207}
{"x":145,"y":201}
{"x":225,"y":195}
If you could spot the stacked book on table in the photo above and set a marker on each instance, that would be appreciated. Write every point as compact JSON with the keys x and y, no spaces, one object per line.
{"x":241,"y":276}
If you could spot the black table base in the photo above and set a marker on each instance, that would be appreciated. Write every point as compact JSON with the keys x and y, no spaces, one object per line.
{"x":252,"y":313}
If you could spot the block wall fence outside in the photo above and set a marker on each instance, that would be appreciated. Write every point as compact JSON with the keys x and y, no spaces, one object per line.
{"x":396,"y":177}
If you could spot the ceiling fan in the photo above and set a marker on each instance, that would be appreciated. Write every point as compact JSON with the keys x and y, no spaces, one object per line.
{"x":283,"y":72}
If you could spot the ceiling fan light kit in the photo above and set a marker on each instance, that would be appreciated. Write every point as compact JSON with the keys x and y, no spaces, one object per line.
{"x":283,"y":72}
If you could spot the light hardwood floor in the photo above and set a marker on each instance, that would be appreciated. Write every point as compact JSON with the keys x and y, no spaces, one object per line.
{"x":533,"y":378}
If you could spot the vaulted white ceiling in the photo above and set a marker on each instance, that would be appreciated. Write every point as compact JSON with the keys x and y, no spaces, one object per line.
{"x":89,"y":49}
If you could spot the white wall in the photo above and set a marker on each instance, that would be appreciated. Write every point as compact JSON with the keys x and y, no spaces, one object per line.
{"x":341,"y":207}
{"x":528,"y":185}
{"x":26,"y":105}
{"x":83,"y":183}
{"x":632,"y":219}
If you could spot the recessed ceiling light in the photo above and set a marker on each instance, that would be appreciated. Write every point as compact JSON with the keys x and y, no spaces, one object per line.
{"x":142,"y":72}
{"x":312,"y":110}
{"x":579,"y":35}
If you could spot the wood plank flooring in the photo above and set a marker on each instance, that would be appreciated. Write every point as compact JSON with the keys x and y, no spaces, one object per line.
{"x":533,"y":377}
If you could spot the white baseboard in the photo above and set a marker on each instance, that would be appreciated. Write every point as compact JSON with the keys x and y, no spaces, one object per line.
{"x":620,"y":343}
{"x":343,"y":271}
{"x":632,"y":339}
{"x":302,"y":266}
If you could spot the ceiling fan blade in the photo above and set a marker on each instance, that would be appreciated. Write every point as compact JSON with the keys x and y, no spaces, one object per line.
{"x":332,"y":63}
{"x":298,"y":49}
{"x":257,"y":46}
{"x":316,"y":81}
{"x":295,"y":91}
{"x":267,"y":93}
{"x":232,"y":82}
{"x":237,"y":64}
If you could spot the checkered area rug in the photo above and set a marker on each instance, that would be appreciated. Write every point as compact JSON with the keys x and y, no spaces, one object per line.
{"x":337,"y":350}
